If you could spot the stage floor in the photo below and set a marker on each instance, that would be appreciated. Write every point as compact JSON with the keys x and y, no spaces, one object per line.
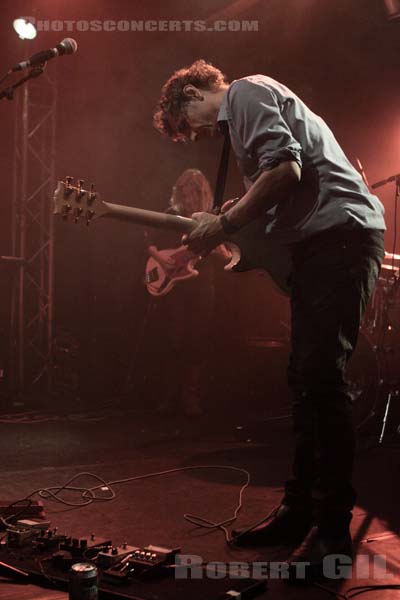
{"x":45,"y":449}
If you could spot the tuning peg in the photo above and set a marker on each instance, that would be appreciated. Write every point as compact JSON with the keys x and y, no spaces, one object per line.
{"x":80,"y":191}
{"x":68,"y":185}
{"x":92,"y":194}
{"x":77,"y":213}
{"x":89,"y":215}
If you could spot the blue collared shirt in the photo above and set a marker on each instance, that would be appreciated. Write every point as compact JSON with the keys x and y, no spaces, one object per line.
{"x":269,"y":124}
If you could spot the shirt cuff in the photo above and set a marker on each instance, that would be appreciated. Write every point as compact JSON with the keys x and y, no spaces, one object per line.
{"x":282,"y":155}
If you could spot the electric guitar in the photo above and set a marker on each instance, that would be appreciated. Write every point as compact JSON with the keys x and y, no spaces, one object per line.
{"x":249,"y":247}
{"x":161,"y":276}
{"x":165,"y":268}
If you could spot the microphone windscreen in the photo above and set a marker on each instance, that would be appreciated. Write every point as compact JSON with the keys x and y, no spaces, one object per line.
{"x":69,"y":46}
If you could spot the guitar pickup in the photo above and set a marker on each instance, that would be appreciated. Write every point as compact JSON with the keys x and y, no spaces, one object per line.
{"x":151,"y":276}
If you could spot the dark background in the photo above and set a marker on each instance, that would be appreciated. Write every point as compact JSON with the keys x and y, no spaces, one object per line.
{"x":341,"y":56}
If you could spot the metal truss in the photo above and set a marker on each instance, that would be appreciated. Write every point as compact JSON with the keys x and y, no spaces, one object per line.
{"x":33,"y":235}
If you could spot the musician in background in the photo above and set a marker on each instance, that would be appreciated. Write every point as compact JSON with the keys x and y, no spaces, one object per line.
{"x":185,"y":316}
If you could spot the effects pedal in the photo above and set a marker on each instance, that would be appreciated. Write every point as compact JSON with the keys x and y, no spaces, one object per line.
{"x":87,"y":547}
{"x":71,"y":550}
{"x":25,"y":532}
{"x":114,"y":554}
{"x":19,"y":537}
{"x":49,"y":540}
{"x":146,"y":561}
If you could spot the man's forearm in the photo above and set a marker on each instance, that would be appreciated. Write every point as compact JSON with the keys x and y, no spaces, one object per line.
{"x":271,"y":187}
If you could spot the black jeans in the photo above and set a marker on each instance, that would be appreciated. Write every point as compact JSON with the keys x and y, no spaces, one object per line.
{"x":334,"y":274}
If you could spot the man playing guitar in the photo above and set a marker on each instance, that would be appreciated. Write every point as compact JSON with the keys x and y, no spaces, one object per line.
{"x":320,"y":211}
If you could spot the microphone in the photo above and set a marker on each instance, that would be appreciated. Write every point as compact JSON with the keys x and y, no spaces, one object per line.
{"x":67,"y":46}
{"x":379,"y":184}
{"x":395,"y":178}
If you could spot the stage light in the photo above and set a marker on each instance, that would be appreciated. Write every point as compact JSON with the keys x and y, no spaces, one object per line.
{"x":392,"y":10}
{"x":25,"y":30}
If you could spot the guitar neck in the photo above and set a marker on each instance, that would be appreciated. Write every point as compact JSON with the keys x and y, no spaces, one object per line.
{"x":148,"y":217}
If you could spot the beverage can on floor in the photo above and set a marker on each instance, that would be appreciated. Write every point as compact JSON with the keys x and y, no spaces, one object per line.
{"x":83,"y":582}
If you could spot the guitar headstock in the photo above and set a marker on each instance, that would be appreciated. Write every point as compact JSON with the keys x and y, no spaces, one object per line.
{"x":75,"y":203}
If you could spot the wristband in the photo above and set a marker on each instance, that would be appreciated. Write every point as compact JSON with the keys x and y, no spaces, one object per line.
{"x":227,"y":226}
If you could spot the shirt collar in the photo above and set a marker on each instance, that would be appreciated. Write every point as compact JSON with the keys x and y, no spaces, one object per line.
{"x":223,"y":109}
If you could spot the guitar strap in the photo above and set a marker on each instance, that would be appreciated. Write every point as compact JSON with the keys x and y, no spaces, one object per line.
{"x":223,"y":168}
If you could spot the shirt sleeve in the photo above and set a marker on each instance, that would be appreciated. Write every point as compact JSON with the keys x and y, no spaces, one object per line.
{"x":256,"y":116}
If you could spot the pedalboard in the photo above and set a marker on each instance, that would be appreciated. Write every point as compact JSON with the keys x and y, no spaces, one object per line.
{"x":60,"y":551}
{"x":31,"y":550}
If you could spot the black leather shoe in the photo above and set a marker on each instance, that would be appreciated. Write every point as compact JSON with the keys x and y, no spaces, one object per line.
{"x":317,"y":557}
{"x":285,"y":526}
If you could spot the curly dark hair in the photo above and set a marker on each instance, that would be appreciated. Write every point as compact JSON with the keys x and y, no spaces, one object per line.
{"x":169,"y":118}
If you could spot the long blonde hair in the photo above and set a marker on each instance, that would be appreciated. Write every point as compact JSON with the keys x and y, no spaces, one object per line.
{"x":191,"y":193}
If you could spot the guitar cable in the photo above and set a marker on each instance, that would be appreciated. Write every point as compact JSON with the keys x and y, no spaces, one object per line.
{"x":104,"y":492}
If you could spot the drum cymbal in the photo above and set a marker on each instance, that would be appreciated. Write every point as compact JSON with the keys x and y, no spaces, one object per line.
{"x":261,"y":342}
{"x":389,"y":255}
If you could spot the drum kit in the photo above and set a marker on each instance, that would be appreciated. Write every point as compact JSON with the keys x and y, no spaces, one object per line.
{"x":376,"y":373}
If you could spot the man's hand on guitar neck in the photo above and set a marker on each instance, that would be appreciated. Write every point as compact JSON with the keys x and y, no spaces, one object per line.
{"x":208,"y":233}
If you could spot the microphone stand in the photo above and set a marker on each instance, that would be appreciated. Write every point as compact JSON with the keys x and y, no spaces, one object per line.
{"x":9,"y":92}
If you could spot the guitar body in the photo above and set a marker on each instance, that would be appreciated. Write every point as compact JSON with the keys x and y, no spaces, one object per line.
{"x":251,"y":249}
{"x":159,"y":279}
